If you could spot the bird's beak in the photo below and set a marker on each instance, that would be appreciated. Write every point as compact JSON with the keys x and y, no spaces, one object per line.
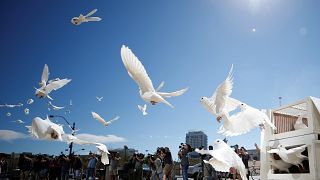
{"x":219,"y":119}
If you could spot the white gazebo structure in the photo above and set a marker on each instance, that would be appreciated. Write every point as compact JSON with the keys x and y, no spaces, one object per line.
{"x":284,"y":119}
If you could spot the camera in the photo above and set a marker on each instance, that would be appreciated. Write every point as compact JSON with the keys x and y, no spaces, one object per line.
{"x":151,"y":157}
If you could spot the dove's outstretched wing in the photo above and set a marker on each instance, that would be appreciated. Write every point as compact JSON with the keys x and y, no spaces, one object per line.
{"x":136,"y":70}
{"x":98,"y":117}
{"x":76,"y":140}
{"x":45,"y":75}
{"x":56,"y":84}
{"x":160,"y":86}
{"x":114,"y":119}
{"x":91,"y":13}
{"x":243,"y":121}
{"x":93,"y":19}
{"x":172,"y":94}
{"x":222,"y":92}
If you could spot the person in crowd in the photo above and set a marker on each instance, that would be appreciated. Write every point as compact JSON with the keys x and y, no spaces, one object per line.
{"x":54,"y":169}
{"x":245,"y":159}
{"x":183,"y":156}
{"x":158,"y":172}
{"x":44,"y":167}
{"x":77,"y":167}
{"x":3,"y":167}
{"x":138,"y":170}
{"x":91,"y":168}
{"x":167,"y":162}
{"x":25,"y":166}
{"x":64,"y":162}
{"x":114,"y":161}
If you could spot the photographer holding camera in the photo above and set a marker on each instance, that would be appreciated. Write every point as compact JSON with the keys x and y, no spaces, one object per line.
{"x":157,"y":164}
{"x":114,"y":161}
{"x":183,"y":156}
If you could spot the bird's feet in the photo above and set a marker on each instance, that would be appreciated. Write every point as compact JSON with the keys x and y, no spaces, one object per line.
{"x":153,"y":102}
{"x":219,"y":119}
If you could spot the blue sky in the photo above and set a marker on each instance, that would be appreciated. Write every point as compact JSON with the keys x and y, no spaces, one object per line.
{"x":185,"y":43}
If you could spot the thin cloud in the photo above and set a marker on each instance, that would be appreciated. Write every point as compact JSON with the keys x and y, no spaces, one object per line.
{"x":9,"y":135}
{"x":101,"y":139}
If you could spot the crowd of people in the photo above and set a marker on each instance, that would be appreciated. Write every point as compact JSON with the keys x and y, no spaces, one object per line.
{"x":160,"y":163}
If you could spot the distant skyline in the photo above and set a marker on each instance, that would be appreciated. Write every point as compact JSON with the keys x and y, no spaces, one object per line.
{"x":273,"y":46}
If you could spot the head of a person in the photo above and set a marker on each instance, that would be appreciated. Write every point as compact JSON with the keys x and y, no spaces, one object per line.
{"x":163,"y":152}
{"x":91,"y":154}
{"x":243,"y":150}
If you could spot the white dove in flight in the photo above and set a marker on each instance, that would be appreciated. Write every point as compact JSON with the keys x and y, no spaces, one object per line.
{"x":19,"y":121}
{"x":54,"y":84}
{"x":26,"y":111}
{"x":30,"y":101}
{"x":223,"y":158}
{"x":104,"y":153}
{"x":299,"y":123}
{"x":45,"y":129}
{"x":101,"y":120}
{"x":55,"y":107}
{"x":220,"y":103}
{"x":81,"y":19}
{"x":280,"y":165}
{"x":292,"y":156}
{"x":138,"y":73}
{"x":244,"y":120}
{"x":143,"y":109}
{"x":101,"y":147}
{"x":11,"y":105}
{"x":99,"y":98}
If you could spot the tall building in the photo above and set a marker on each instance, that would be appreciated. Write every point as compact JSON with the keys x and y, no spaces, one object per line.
{"x":197,"y":139}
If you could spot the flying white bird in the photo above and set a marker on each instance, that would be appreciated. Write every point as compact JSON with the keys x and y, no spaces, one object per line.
{"x":26,"y":111}
{"x":30,"y":101}
{"x":54,"y":84}
{"x":299,"y":123}
{"x":79,"y":20}
{"x":244,"y":120}
{"x":143,"y":109}
{"x":99,"y":98}
{"x":104,"y":153}
{"x":292,"y":156}
{"x":11,"y":105}
{"x":280,"y":165}
{"x":8,"y":114}
{"x":220,"y":103}
{"x":19,"y":121}
{"x":223,"y":158}
{"x":101,"y":147}
{"x":101,"y":120}
{"x":55,"y":107}
{"x":138,"y":73}
{"x":45,"y":129}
